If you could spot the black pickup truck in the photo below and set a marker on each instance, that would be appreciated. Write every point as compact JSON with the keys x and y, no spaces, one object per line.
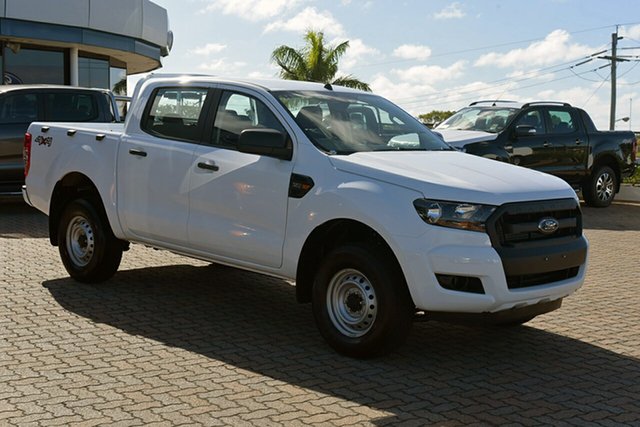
{"x":551,"y":137}
{"x":22,"y":104}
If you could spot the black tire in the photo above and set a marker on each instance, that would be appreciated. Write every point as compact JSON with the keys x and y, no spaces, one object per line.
{"x":600,"y":189}
{"x":349,"y":277}
{"x":89,"y":250}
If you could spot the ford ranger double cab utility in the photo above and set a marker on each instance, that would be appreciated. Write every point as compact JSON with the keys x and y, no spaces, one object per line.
{"x":22,"y":104}
{"x":375,"y":218}
{"x":551,"y":137}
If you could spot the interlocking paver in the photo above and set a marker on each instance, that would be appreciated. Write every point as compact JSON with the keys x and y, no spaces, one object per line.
{"x":171,"y":341}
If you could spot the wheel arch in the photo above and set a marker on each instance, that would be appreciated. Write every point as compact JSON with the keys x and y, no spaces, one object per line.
{"x":325,"y":238}
{"x":610,"y":160}
{"x":71,"y":187}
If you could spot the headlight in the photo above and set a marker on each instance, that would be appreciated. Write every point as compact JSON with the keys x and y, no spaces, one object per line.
{"x":466,"y":216}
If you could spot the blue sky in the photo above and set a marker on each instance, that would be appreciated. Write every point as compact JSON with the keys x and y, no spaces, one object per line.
{"x":427,"y":55}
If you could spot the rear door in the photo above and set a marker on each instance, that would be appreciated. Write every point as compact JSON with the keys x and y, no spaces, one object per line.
{"x":154,"y":167}
{"x":238,"y":201}
{"x":569,"y":143}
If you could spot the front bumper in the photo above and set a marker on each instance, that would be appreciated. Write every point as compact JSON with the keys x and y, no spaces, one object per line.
{"x":471,"y":254}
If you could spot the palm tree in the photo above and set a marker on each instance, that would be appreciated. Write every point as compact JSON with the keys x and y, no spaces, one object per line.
{"x":315,"y":62}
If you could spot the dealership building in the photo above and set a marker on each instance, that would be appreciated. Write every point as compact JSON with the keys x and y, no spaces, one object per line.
{"x":92,"y":43}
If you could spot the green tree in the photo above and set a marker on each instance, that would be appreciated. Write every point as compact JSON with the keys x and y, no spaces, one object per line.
{"x":315,"y":62}
{"x":434,"y":117}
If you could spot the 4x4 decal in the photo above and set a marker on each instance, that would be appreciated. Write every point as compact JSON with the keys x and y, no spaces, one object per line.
{"x":44,"y":140}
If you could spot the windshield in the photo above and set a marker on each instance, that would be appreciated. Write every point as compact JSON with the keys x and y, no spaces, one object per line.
{"x":346,"y":123}
{"x":485,"y":119}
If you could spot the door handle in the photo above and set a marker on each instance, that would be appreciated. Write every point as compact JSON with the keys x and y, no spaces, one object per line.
{"x":578,"y":142}
{"x":546,"y":144}
{"x":138,"y":152}
{"x":208,"y":166}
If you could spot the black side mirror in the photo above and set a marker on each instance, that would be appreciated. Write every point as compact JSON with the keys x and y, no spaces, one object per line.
{"x":265,"y":142}
{"x":525,"y":130}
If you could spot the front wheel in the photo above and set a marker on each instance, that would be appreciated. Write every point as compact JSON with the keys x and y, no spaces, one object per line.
{"x":600,"y":189}
{"x":89,"y":250}
{"x":361,"y":303}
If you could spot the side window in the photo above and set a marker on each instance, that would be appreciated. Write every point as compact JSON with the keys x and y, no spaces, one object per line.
{"x":532,"y":118}
{"x":18,"y":108}
{"x":71,"y":107}
{"x":237,"y":112}
{"x":175,"y":113}
{"x":561,"y":121}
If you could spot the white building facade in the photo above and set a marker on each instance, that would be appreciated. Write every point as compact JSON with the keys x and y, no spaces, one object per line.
{"x":92,"y":43}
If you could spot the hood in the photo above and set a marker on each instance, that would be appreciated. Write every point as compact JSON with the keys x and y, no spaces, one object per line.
{"x":455,"y":176}
{"x":460,"y":138}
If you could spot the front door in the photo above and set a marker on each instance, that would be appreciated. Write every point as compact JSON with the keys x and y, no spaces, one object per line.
{"x":238,"y":201}
{"x":535,"y":150}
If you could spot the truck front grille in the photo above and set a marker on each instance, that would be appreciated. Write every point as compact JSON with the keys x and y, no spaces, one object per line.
{"x":518,"y":222}
{"x":532,"y":255}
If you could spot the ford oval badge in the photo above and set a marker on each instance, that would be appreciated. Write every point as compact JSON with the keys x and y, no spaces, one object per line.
{"x":548,"y":225}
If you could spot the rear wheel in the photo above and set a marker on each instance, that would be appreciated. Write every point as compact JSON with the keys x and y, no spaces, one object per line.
{"x":600,"y":189}
{"x":361,"y":303}
{"x":89,"y":250}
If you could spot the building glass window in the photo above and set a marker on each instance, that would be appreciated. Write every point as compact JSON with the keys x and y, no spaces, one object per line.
{"x":33,"y":66}
{"x":118,"y":80}
{"x":118,"y":77}
{"x":93,"y":72}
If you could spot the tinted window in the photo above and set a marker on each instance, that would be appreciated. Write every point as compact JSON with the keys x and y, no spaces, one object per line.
{"x":71,"y":107}
{"x":18,"y":108}
{"x":175,"y":113}
{"x":532,"y":118}
{"x":561,"y":121}
{"x":237,"y":112}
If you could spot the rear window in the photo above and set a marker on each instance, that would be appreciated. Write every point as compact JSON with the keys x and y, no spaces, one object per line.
{"x":18,"y":108}
{"x":71,"y":107}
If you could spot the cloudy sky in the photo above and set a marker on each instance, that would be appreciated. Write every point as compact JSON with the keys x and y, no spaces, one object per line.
{"x":429,"y":54}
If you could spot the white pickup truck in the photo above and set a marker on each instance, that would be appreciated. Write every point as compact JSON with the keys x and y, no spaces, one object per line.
{"x":376,"y":219}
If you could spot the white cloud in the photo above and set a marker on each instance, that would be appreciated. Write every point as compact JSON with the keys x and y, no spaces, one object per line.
{"x":453,"y":11}
{"x":630,"y":32}
{"x":412,"y":51}
{"x":430,"y":74}
{"x":309,"y":18}
{"x":223,"y":66}
{"x":208,"y":49}
{"x":356,"y":52}
{"x":255,"y":10}
{"x":556,"y":47}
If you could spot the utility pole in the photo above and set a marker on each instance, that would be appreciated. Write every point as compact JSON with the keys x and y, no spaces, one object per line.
{"x":614,"y":61}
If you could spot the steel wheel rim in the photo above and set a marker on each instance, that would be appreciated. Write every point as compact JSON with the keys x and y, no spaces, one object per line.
{"x":80,"y":241}
{"x":604,"y":187}
{"x":351,"y":303}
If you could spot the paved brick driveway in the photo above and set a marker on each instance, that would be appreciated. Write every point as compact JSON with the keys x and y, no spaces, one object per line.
{"x":173,"y":341}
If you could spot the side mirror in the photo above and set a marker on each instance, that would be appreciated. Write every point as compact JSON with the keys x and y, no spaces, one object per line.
{"x":525,"y":130}
{"x":265,"y":142}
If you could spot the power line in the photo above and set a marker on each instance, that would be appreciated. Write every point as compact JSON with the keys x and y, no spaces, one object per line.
{"x":475,"y":49}
{"x":502,"y":82}
{"x":460,"y":100}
